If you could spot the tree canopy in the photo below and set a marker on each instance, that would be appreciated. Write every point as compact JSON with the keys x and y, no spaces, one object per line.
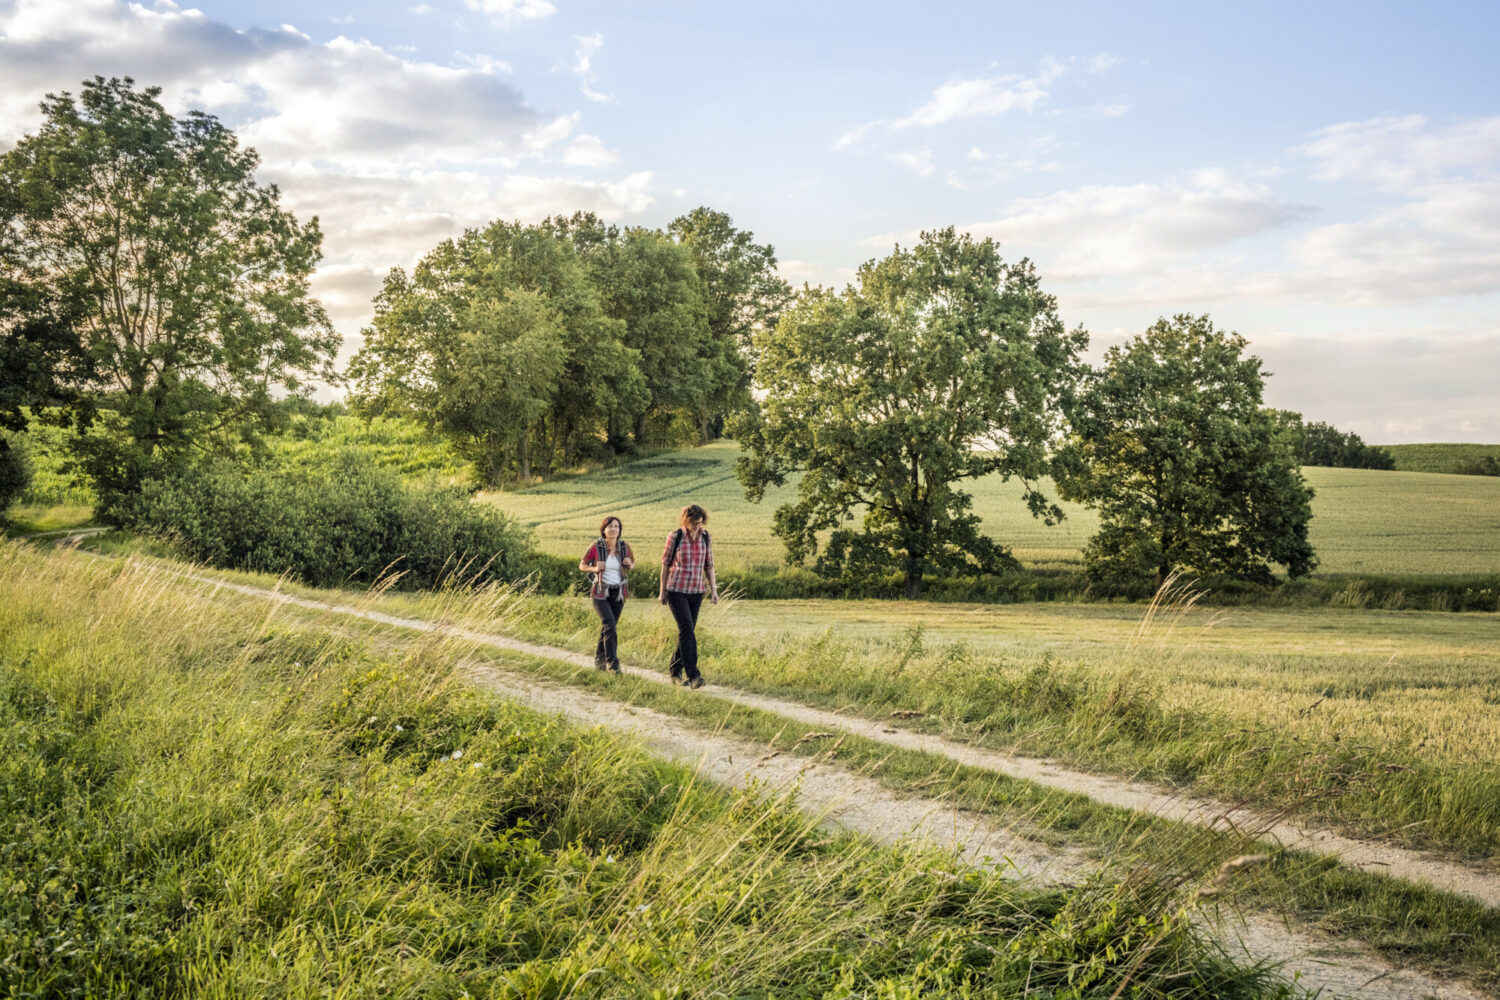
{"x":169,"y":287}
{"x":497,"y":339}
{"x":1188,"y":471}
{"x":943,"y":363}
{"x":534,"y":345}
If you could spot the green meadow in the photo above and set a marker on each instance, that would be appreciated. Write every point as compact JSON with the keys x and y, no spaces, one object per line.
{"x":1364,"y":522}
{"x":198,"y":799}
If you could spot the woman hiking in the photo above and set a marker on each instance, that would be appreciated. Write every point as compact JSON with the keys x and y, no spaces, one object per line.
{"x":609,"y":560}
{"x":687,"y":570}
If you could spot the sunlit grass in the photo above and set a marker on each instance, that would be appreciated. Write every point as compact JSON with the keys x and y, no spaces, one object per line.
{"x":203,"y":796}
{"x":1363,"y":521}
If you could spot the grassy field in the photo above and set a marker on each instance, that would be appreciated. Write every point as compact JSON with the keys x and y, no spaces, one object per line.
{"x":199,"y":800}
{"x":1439,"y":457}
{"x":1377,"y":723}
{"x":1363,"y":522}
{"x":1282,"y":709}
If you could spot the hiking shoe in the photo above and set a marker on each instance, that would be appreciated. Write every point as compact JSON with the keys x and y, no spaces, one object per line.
{"x":614,"y":668}
{"x":600,"y":665}
{"x":696,"y":682}
{"x":677,"y":679}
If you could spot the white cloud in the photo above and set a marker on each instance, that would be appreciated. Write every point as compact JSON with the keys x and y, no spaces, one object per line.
{"x":506,"y":12}
{"x":583,"y":65}
{"x":983,"y":97}
{"x":1103,"y":230}
{"x":917,"y":160}
{"x":1102,"y":63}
{"x":1400,"y":153}
{"x":423,"y":8}
{"x":583,"y":55}
{"x":343,"y":101}
{"x":589,"y":151}
{"x":855,"y":135}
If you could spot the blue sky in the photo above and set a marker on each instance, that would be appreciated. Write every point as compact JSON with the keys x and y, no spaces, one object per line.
{"x":1324,"y":179}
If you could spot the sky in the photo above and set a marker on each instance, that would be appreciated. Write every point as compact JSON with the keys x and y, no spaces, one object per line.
{"x":1322,"y":178}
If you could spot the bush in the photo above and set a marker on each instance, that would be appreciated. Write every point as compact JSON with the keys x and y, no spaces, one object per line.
{"x":15,"y":470}
{"x":331,"y":524}
{"x":1487,"y":465}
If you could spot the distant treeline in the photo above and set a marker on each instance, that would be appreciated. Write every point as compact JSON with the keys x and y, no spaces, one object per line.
{"x":1325,"y":445}
{"x":1454,"y":459}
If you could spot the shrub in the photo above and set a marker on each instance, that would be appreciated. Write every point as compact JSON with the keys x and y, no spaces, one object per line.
{"x":1485,"y":465}
{"x":330,"y":524}
{"x":15,"y":470}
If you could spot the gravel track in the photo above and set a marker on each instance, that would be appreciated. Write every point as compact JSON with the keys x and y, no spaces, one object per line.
{"x":1337,"y":967}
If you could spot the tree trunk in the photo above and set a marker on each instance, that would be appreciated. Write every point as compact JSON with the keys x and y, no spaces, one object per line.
{"x":524,"y":456}
{"x":640,"y":429}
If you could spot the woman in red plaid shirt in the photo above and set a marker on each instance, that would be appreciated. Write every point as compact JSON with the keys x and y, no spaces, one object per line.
{"x":608,"y":561}
{"x":687,"y":570}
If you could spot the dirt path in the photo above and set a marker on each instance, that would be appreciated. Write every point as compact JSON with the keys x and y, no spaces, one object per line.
{"x":856,"y":803}
{"x":1341,"y":967}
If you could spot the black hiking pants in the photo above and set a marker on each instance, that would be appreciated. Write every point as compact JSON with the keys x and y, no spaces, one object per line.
{"x":684,"y":608}
{"x":608,"y":608}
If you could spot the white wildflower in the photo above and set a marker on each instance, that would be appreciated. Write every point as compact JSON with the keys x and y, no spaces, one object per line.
{"x":457,"y":755}
{"x":371,"y":720}
{"x":400,"y":729}
{"x":477,"y":764}
{"x":643,"y":908}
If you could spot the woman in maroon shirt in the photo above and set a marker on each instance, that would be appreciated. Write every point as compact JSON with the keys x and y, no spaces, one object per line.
{"x":609,"y":560}
{"x":687,"y":570}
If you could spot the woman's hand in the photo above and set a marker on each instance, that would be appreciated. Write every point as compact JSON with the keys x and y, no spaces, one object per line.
{"x":713,"y":597}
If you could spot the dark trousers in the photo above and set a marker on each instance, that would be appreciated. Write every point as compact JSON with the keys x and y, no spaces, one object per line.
{"x":607,"y":653}
{"x":684,"y":608}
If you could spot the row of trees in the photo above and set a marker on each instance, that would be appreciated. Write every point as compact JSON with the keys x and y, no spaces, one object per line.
{"x":145,"y":278}
{"x":1323,"y":444}
{"x":538,"y":345}
{"x":942,"y":363}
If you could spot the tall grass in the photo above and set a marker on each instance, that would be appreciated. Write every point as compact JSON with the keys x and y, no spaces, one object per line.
{"x":1357,"y":729}
{"x":197,"y":798}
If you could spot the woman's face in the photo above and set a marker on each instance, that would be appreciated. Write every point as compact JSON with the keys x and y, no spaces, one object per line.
{"x":695,"y":525}
{"x":612,"y":529}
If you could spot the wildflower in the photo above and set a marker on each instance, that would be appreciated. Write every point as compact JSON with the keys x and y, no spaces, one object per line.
{"x":609,"y":859}
{"x":643,"y":908}
{"x":400,"y":729}
{"x":457,"y":755}
{"x":477,"y":764}
{"x":371,"y":720}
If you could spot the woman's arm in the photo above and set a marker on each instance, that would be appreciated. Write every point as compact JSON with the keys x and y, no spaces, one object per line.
{"x":629,"y":561}
{"x":590,"y":561}
{"x":713,"y":580}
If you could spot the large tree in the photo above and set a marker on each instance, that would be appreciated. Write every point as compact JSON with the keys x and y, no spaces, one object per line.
{"x":744,"y":296}
{"x":943,"y":363}
{"x":147,"y":239}
{"x":1188,"y":470}
{"x":498,"y":339}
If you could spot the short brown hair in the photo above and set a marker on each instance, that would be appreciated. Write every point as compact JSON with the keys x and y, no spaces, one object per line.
{"x":605,"y":523}
{"x":692,"y":512}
